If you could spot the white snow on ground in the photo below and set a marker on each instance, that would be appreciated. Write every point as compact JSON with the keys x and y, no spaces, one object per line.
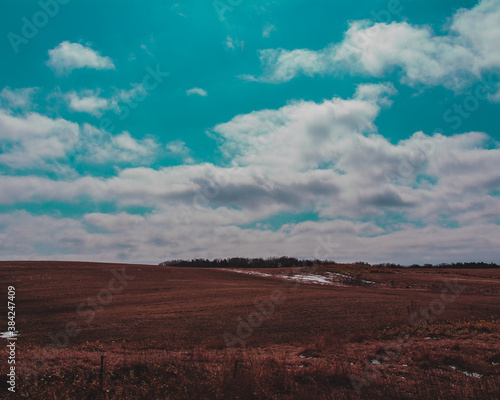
{"x":241,"y":271}
{"x":317,"y":279}
{"x":327,"y":279}
{"x":473,"y":374}
{"x":339,"y":274}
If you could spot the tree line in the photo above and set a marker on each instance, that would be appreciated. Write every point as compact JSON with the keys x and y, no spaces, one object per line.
{"x":241,"y":262}
{"x":459,"y":265}
{"x":291,"y":262}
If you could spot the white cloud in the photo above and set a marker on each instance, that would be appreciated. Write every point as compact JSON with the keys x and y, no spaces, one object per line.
{"x":178,"y":148}
{"x":36,"y":141}
{"x":232,"y":43}
{"x":31,"y":140}
{"x":126,"y":96}
{"x":69,"y":56}
{"x":330,"y":160}
{"x":101,"y":147}
{"x":305,"y":133}
{"x":134,"y":238}
{"x":87,"y":101}
{"x":91,"y":101}
{"x":376,"y":49}
{"x":282,"y":66}
{"x":267,"y":30}
{"x":480,"y":27}
{"x":229,"y":43}
{"x":18,"y":98}
{"x":125,"y":142}
{"x":326,"y":158}
{"x":197,"y":91}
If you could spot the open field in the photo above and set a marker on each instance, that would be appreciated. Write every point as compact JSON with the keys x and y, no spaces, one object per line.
{"x":192,"y":333}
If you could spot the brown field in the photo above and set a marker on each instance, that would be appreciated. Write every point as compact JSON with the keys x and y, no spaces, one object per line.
{"x":411,"y":334}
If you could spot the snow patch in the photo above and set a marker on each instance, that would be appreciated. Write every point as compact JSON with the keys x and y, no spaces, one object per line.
{"x":471,"y":374}
{"x":302,"y":278}
{"x":240,"y":271}
{"x":319,"y":279}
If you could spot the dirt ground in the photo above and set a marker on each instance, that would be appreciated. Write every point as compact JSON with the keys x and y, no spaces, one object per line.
{"x":71,"y":310}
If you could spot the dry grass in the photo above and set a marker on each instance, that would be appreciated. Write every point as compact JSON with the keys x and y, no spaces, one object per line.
{"x":162,"y":337}
{"x":420,"y":368}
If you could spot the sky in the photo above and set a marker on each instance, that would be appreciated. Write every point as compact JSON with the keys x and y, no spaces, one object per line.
{"x":145,"y":131}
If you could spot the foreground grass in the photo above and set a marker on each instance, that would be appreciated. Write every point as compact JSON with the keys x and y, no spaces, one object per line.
{"x":450,"y":360}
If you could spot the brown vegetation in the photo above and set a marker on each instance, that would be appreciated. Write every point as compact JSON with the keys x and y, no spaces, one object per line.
{"x":163,"y":335}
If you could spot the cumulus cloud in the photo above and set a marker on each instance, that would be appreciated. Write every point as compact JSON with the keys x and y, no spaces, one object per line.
{"x":281,"y":65}
{"x":87,"y":101}
{"x":138,"y":91}
{"x":308,"y":134}
{"x":68,"y":56}
{"x":31,"y":140}
{"x":100,"y":147}
{"x":92,"y":102}
{"x":423,"y":57}
{"x":331,"y":160}
{"x":178,"y":148}
{"x":324,"y":158}
{"x":17,"y":98}
{"x":197,"y":91}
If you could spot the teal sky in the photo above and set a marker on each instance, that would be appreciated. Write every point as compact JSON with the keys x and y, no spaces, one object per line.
{"x":140,"y":132}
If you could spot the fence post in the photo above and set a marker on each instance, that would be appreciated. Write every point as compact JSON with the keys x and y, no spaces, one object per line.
{"x":102,"y":371}
{"x":235,"y":367}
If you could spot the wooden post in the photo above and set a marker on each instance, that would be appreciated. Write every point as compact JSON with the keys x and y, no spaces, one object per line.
{"x":235,"y":367}
{"x":102,"y":371}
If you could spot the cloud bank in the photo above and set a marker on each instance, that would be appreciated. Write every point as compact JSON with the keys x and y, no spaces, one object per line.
{"x":424,"y":199}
